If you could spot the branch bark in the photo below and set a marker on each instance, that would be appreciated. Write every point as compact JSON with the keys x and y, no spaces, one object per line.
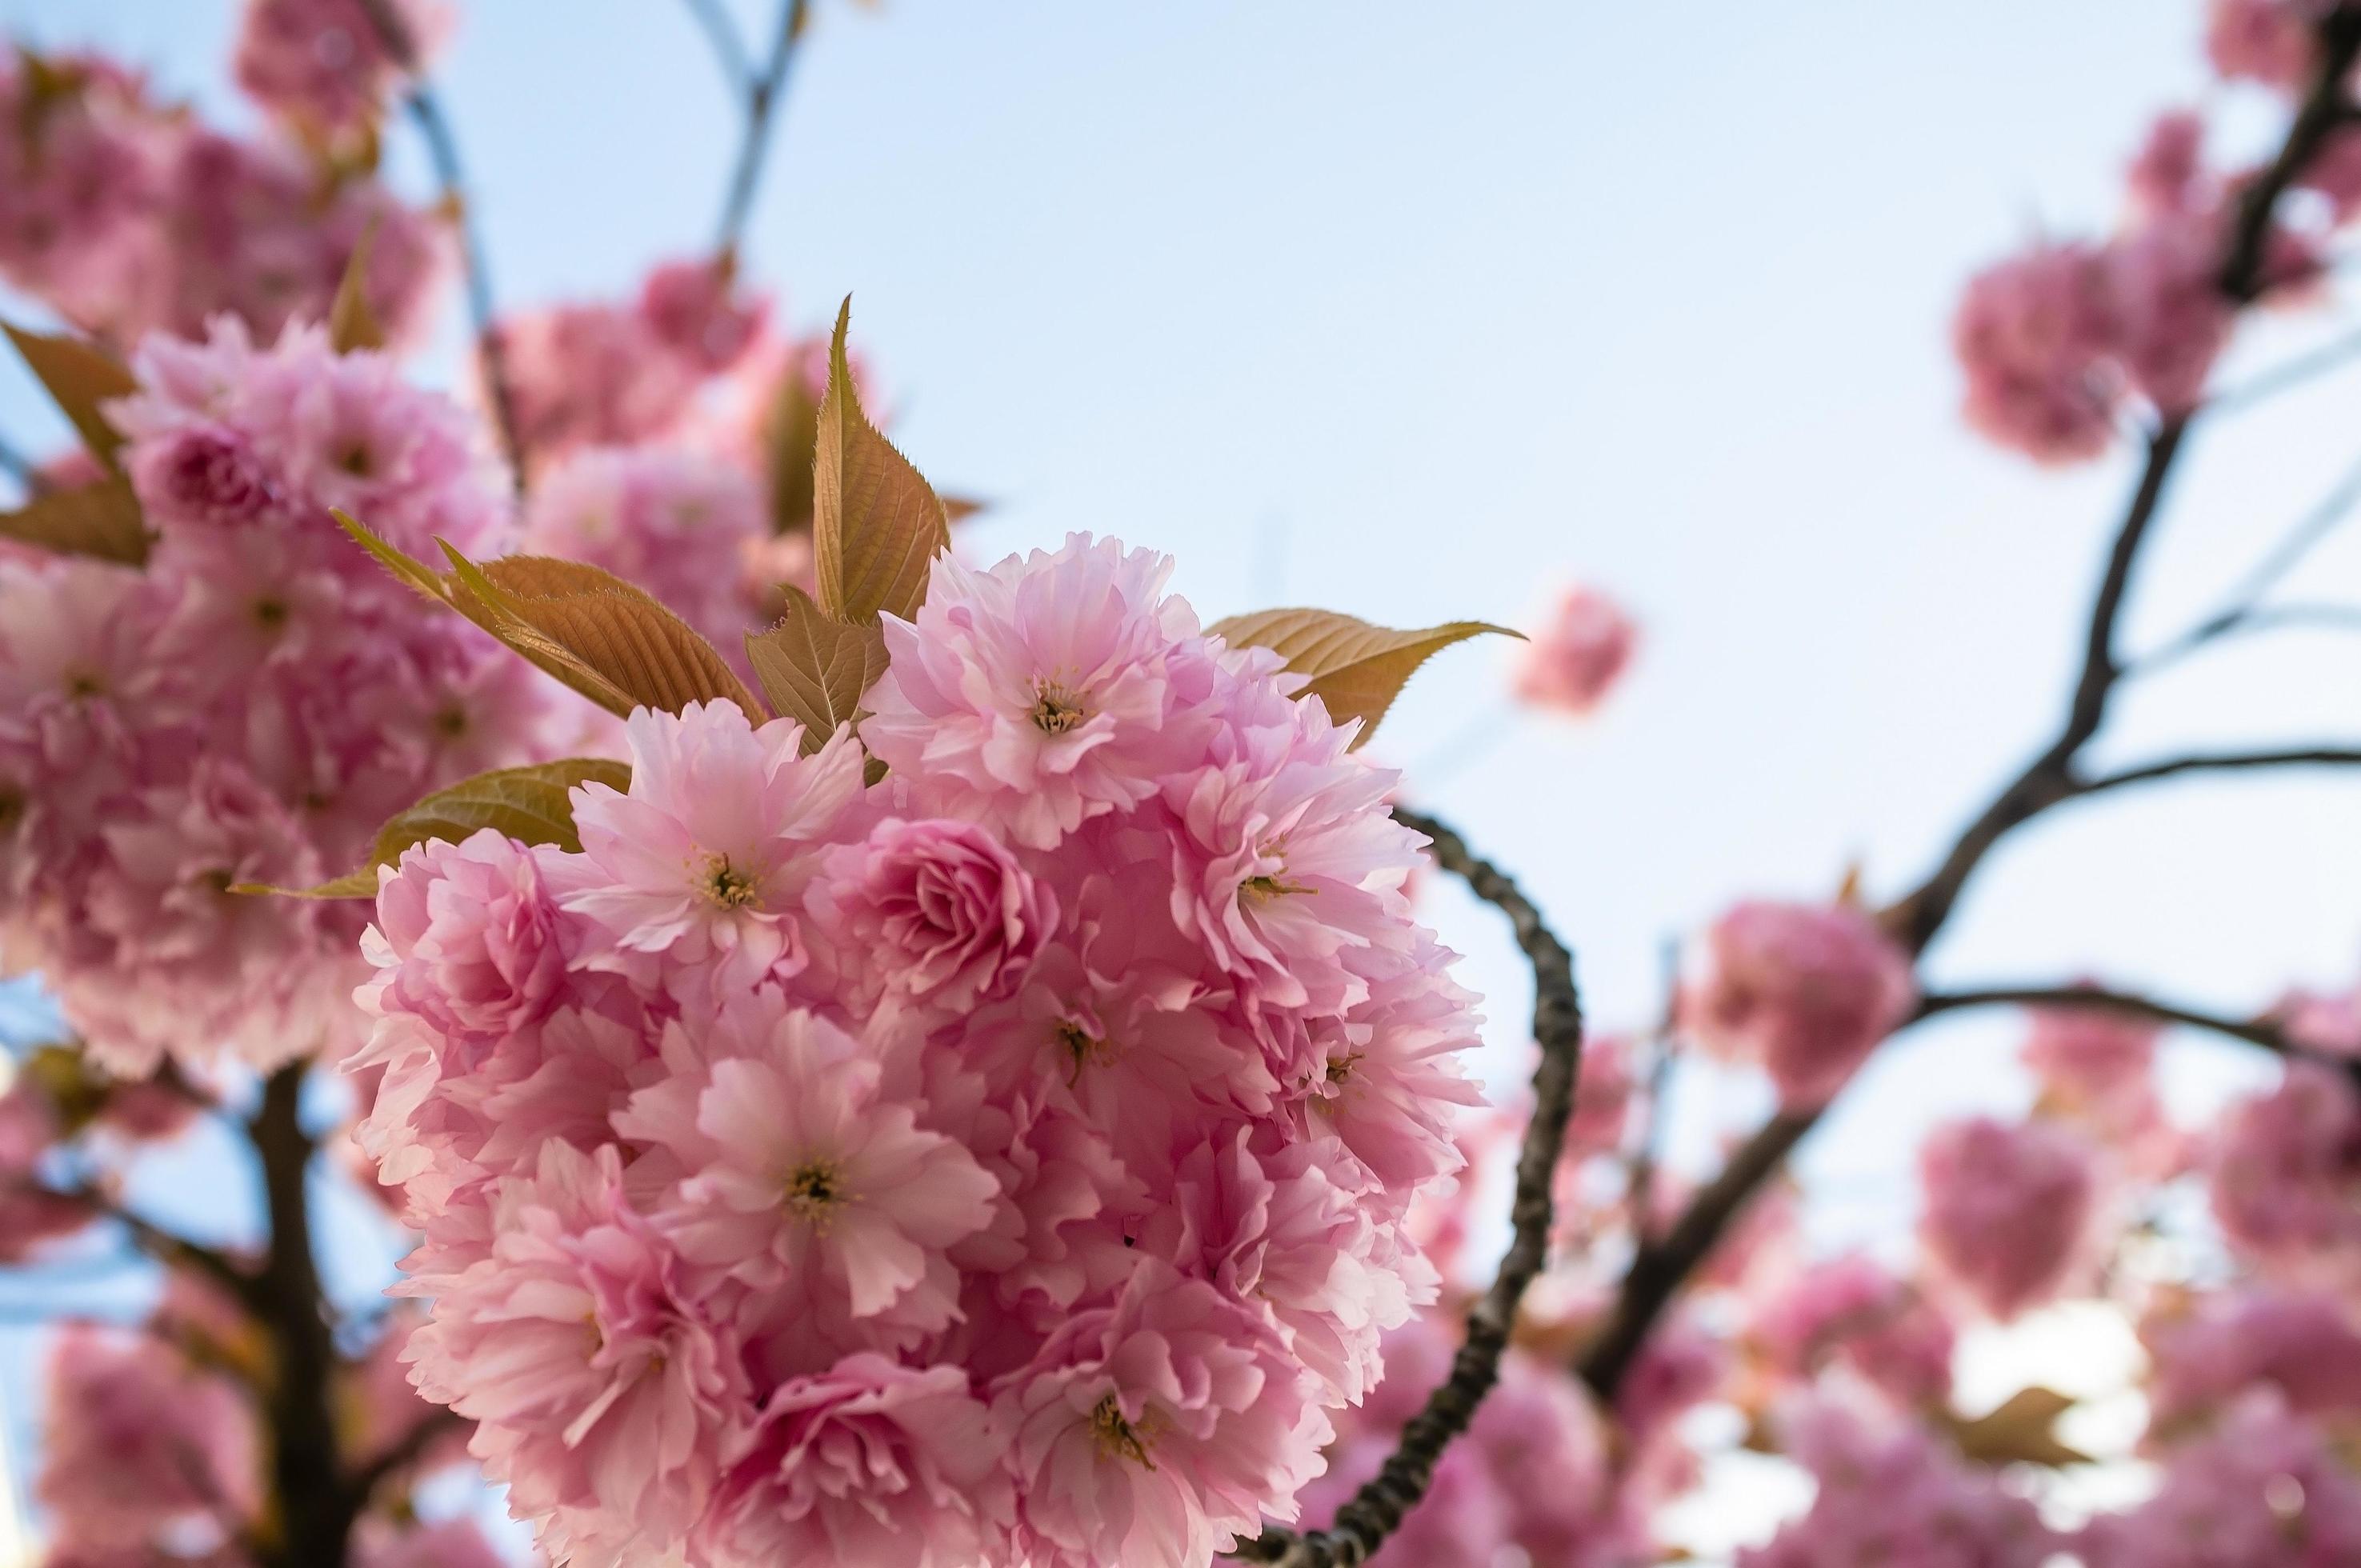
{"x":2263,"y":1031}
{"x":1363,"y":1523}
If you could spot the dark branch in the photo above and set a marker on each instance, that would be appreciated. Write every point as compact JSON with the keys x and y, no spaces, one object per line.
{"x":1363,"y":1523}
{"x":2249,"y":622}
{"x":2264,"y":1031}
{"x":438,"y":1422}
{"x":2223,"y":762}
{"x":443,"y":149}
{"x":765,"y":93}
{"x":152,"y":1238}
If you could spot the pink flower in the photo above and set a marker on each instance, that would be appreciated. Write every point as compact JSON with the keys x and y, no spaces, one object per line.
{"x":936,"y":911}
{"x":1892,"y":1497}
{"x":799,"y":1170}
{"x":705,"y":862}
{"x":2267,"y":41}
{"x":2035,"y":336}
{"x":693,"y":311}
{"x":2171,"y":318}
{"x":869,"y":1461}
{"x":1852,"y":1312}
{"x":2287,"y":1171}
{"x":322,"y":63}
{"x":2304,"y":1344}
{"x":2009,"y":1210}
{"x":2166,"y":176}
{"x":29,"y":1216}
{"x":1158,"y":1431}
{"x":1047,"y":691}
{"x":1578,"y":655}
{"x":1806,"y":990}
{"x":140,"y":1444}
{"x":467,"y":936}
{"x":2266,"y":1490}
{"x":603,"y":1387}
{"x":2096,"y":1064}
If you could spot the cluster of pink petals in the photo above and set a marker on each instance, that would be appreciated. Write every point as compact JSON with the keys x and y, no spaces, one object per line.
{"x":1010,"y":1161}
{"x":1893,"y":1495}
{"x":585,"y":374}
{"x":2010,"y":1212}
{"x":1533,"y":1480}
{"x":1805,"y":991}
{"x":129,"y":218}
{"x":324,"y":65}
{"x":1578,"y":655}
{"x":2269,"y":41}
{"x":2265,"y":1488}
{"x":1850,"y":1312}
{"x":2054,"y":341}
{"x":2285,"y":1173}
{"x":2304,"y":1344}
{"x":249,"y":706}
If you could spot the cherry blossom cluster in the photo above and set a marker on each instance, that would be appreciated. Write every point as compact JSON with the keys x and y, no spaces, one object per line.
{"x":128,"y":214}
{"x":1007,"y":1161}
{"x":247,"y":707}
{"x":2057,"y":340}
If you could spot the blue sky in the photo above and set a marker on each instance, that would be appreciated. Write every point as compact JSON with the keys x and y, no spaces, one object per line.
{"x":1414,"y":310}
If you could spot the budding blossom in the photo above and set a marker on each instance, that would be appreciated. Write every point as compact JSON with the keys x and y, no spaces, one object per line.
{"x":1805,"y":992}
{"x":1010,"y":1161}
{"x":2009,"y":1210}
{"x":1577,"y":656}
{"x":247,"y":707}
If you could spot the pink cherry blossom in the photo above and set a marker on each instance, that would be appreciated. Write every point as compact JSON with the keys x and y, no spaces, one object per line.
{"x":322,"y":63}
{"x":2009,"y":1210}
{"x":2035,"y":336}
{"x":2267,"y":41}
{"x":937,"y":913}
{"x":1578,"y":655}
{"x":2305,"y":1345}
{"x":2287,"y":1169}
{"x":2265,"y":1491}
{"x":1804,"y":991}
{"x":1851,"y":1312}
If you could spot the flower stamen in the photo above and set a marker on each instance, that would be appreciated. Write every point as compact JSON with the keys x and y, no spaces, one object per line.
{"x":1117,"y":1436}
{"x":726,"y":885}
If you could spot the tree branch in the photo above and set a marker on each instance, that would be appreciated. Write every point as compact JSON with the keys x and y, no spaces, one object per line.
{"x":728,"y":47}
{"x":2249,"y":622}
{"x":1914,"y":920}
{"x":439,"y":1421}
{"x":765,"y":93}
{"x":1363,"y":1523}
{"x":2263,"y":1031}
{"x":443,"y":149}
{"x":2223,"y":762}
{"x":152,"y":1238}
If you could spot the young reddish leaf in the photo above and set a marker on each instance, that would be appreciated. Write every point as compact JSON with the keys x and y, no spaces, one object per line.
{"x":79,"y":377}
{"x":1356,"y":669}
{"x":532,"y":805}
{"x":351,"y":323}
{"x":790,"y":438}
{"x":877,"y":526}
{"x":102,"y":520}
{"x":598,"y":633}
{"x":409,"y":568}
{"x":814,"y":670}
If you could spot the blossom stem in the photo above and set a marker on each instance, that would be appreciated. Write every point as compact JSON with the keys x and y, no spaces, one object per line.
{"x":1374,"y":1512}
{"x":1658,"y":1271}
{"x":443,"y":149}
{"x":764,"y":95}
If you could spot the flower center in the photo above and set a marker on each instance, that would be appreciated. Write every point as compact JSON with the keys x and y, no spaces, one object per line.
{"x":814,"y":1190}
{"x":1082,"y":1048}
{"x":1056,"y":708}
{"x":1273,"y":884}
{"x":80,"y":683}
{"x":1116,"y":1436}
{"x":726,"y":885}
{"x":270,"y":614}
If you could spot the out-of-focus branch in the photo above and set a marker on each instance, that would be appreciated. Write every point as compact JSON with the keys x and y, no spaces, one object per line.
{"x":1363,"y":1523}
{"x":443,"y":149}
{"x":729,"y":48}
{"x":2265,"y":1031}
{"x":765,"y":93}
{"x":1658,"y":1271}
{"x":151,"y":1238}
{"x":2328,"y":357}
{"x":2223,"y":762}
{"x":2254,"y":623}
{"x":439,"y":1422}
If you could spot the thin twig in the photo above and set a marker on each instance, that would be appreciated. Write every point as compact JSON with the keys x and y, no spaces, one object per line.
{"x":2264,"y":1031}
{"x":1658,"y":1272}
{"x":2223,"y":762}
{"x":1640,"y":1187}
{"x":1363,"y":1523}
{"x":729,"y":48}
{"x":443,"y":149}
{"x":2332,"y":356}
{"x":2256,"y":622}
{"x":765,"y":93}
{"x":151,"y":1238}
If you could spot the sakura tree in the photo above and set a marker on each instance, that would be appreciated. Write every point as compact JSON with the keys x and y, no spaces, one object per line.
{"x":880,"y":1056}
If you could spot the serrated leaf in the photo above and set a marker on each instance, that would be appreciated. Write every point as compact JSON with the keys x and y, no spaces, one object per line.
{"x":790,"y":438}
{"x":2019,"y":1432}
{"x":814,"y":670}
{"x":610,"y":640}
{"x":1355,"y":669}
{"x":408,"y":568}
{"x":79,"y":377}
{"x":352,"y":324}
{"x":877,"y":525}
{"x":532,"y":805}
{"x":102,"y":520}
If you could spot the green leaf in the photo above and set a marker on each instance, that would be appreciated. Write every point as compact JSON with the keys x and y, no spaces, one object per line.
{"x":352,"y":324}
{"x":607,"y":640}
{"x":814,"y":670}
{"x":102,"y":520}
{"x":532,"y":805}
{"x":79,"y":377}
{"x":877,"y":524}
{"x":1356,"y":669}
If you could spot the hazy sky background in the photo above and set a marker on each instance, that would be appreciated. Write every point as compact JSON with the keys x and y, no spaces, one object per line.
{"x":1416,"y":310}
